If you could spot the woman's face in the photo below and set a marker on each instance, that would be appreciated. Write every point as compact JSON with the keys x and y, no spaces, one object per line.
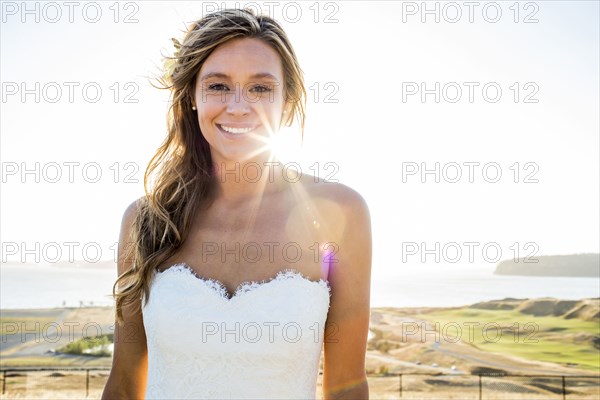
{"x":239,"y":99}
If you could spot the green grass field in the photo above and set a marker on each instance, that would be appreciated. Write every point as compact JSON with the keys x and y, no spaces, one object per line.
{"x":551,"y":339}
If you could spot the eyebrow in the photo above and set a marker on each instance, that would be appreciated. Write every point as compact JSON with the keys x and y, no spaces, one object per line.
{"x":225,"y":76}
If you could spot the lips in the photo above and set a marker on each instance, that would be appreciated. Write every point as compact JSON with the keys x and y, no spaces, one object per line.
{"x":236,"y":129}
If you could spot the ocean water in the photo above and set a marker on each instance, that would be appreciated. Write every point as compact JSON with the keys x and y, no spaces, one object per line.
{"x":453,"y":286}
{"x":33,"y":286}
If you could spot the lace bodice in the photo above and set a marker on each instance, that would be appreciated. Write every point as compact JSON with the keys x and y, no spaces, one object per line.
{"x":263,"y":342}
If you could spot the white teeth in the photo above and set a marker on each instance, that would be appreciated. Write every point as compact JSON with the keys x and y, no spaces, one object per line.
{"x":236,"y":131}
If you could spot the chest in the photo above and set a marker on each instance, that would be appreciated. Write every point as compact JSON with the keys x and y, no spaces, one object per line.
{"x":237,"y":246}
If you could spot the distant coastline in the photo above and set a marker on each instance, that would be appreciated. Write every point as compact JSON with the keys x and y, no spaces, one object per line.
{"x":573,"y":265}
{"x":30,"y":285}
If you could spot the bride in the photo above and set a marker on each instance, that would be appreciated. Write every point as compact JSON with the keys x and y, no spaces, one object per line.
{"x":236,"y":272}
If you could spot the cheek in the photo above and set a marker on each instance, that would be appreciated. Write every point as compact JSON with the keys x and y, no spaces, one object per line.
{"x":272,"y":107}
{"x":209,"y":110}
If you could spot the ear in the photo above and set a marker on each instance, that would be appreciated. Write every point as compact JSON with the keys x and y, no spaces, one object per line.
{"x":192,"y":101}
{"x":287,"y":109}
{"x":284,"y":117}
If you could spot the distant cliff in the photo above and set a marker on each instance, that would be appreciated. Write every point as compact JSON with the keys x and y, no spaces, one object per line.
{"x":573,"y":265}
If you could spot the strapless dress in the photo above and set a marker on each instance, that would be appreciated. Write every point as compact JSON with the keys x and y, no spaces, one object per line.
{"x":263,"y":342}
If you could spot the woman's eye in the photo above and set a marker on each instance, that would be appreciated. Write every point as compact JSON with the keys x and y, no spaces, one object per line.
{"x":262,"y":89}
{"x":216,"y":86}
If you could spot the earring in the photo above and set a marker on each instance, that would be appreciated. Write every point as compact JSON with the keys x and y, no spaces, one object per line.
{"x":194,"y":108}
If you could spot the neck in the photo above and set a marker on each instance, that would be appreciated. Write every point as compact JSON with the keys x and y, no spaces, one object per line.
{"x":248,"y":181}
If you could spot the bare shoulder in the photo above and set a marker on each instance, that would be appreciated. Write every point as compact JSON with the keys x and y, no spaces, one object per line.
{"x":349,"y":201}
{"x":347,"y":216}
{"x":125,"y":235}
{"x":130,"y":213}
{"x":344,"y":219}
{"x":132,"y":210}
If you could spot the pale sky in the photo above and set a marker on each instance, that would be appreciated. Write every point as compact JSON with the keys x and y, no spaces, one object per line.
{"x":366,"y":61}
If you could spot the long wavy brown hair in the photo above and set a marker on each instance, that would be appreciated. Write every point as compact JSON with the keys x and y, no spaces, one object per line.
{"x":180,"y":178}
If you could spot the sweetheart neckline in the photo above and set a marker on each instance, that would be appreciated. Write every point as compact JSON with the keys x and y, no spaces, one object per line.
{"x":222,"y":290}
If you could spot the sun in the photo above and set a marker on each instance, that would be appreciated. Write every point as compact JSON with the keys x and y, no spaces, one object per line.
{"x":285,"y":145}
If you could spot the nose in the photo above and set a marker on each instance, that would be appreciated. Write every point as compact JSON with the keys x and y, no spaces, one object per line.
{"x":237,"y":103}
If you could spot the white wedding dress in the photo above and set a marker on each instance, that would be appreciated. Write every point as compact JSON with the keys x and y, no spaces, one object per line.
{"x":264,"y":342}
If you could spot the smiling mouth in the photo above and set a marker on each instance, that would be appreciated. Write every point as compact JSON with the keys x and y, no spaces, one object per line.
{"x":236,"y":130}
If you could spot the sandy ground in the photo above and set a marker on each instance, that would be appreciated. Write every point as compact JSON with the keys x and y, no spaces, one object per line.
{"x":418,"y":361}
{"x":69,"y":385}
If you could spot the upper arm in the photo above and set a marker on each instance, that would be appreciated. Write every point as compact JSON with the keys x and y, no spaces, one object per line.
{"x":129,"y":364}
{"x":347,"y":325}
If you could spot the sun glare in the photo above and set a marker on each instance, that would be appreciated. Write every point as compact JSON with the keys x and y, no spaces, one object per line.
{"x":284,"y":146}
